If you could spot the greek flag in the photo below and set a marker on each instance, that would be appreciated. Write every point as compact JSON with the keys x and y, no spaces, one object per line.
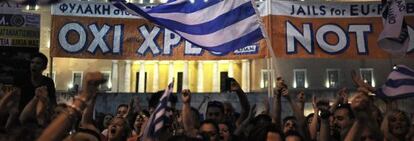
{"x":399,"y":84}
{"x":215,"y":25}
{"x":156,"y":120}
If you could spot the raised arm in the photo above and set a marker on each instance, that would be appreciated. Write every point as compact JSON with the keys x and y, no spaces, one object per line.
{"x":276,"y":113}
{"x":313,"y":128}
{"x":9,"y":94}
{"x":66,"y":119}
{"x":341,"y":98}
{"x":362,"y":108}
{"x":298,"y":113}
{"x":188,"y":122}
{"x":300,"y":100}
{"x":35,"y":109}
{"x":87,"y":116}
{"x":246,"y":122}
{"x":244,"y":102}
{"x":42,"y":106}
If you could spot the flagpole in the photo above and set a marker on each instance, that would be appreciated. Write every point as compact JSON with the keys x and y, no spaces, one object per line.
{"x":268,"y":44}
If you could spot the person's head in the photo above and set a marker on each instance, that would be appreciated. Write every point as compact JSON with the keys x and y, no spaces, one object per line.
{"x":119,"y":129}
{"x":367,"y":135}
{"x":141,"y":118}
{"x":228,"y":108}
{"x":225,"y":131}
{"x":262,"y":119}
{"x":84,"y":135}
{"x":210,"y":129}
{"x":343,"y":117}
{"x":293,"y":136}
{"x":268,"y":132}
{"x":122,"y":110}
{"x":38,"y":63}
{"x":398,"y":123}
{"x":107,"y":120}
{"x":183,"y":138}
{"x":289,"y":124}
{"x":215,"y":111}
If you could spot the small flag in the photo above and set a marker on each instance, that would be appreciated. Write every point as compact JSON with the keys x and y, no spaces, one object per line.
{"x":399,"y":84}
{"x":215,"y":25}
{"x":395,"y":36}
{"x":156,"y":120}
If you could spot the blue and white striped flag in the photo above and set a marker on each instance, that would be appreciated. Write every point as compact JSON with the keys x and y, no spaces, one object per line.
{"x":156,"y":120}
{"x":400,"y":84}
{"x":215,"y":25}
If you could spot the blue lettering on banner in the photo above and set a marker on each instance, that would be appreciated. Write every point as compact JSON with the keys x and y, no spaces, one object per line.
{"x":252,"y":49}
{"x":92,"y":9}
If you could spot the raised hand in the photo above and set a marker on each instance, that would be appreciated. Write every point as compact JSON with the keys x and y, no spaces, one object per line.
{"x":6,"y":90}
{"x":186,"y":96}
{"x":356,"y":79}
{"x":41,"y":92}
{"x":359,"y":82}
{"x":314,"y":104}
{"x":93,"y":80}
{"x":342,"y":96}
{"x":285,"y":92}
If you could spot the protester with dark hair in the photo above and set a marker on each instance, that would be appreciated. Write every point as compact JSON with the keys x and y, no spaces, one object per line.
{"x":37,"y":65}
{"x":215,"y":111}
{"x":226,"y":131}
{"x":293,"y":136}
{"x":210,"y":129}
{"x":343,"y":119}
{"x":265,"y":133}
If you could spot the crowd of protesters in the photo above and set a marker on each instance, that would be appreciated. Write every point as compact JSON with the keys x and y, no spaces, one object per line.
{"x":30,"y":112}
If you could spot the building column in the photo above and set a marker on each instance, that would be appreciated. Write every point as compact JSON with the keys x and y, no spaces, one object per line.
{"x":246,"y":75}
{"x":127,"y":81}
{"x":171,"y":72}
{"x":216,"y":86}
{"x":141,"y":86}
{"x":200,"y":75}
{"x":185,"y":75}
{"x":231,"y":69}
{"x":155,"y":83}
{"x":114,"y":76}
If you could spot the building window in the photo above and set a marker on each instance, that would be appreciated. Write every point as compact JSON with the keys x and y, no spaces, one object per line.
{"x":332,"y":76}
{"x":108,"y":84}
{"x":367,"y":75}
{"x":76,"y":81}
{"x":264,"y":83}
{"x":299,"y":78}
